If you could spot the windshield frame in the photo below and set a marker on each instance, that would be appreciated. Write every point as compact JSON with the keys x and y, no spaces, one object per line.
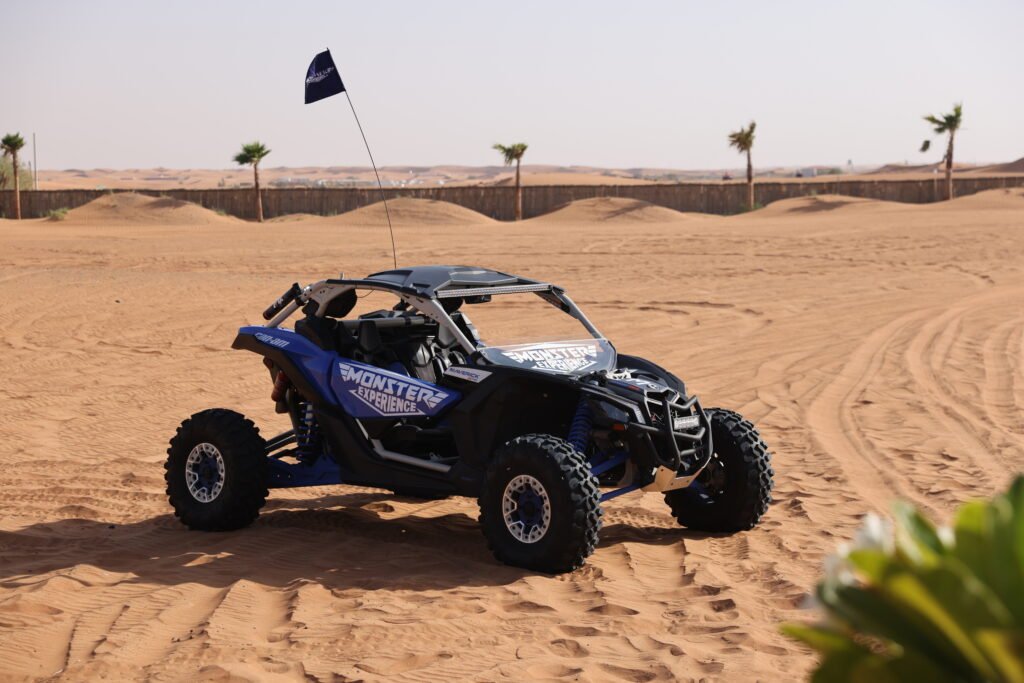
{"x":323,"y":292}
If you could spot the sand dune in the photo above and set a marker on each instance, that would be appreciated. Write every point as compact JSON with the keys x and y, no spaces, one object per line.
{"x":409,"y":211}
{"x":136,"y":209}
{"x":940,"y":166}
{"x":878,"y":350}
{"x":1009,"y":167}
{"x":612,"y":209}
{"x":825,"y":202}
{"x":1009,"y":198}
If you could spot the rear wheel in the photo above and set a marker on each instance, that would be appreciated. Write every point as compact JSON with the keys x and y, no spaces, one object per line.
{"x":735,"y":489}
{"x":540,"y":505}
{"x":216,"y":471}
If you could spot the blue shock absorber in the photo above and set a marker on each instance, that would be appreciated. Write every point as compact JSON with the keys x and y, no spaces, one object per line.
{"x":582,"y":423}
{"x":307,"y":437}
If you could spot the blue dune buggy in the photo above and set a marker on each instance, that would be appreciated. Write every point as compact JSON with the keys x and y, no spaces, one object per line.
{"x":414,"y":400}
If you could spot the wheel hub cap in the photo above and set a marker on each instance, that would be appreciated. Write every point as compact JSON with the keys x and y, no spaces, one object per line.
{"x":526,"y":508}
{"x":204,"y":472}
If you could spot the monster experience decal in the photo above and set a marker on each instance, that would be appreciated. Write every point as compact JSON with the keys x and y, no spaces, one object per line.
{"x":367,"y":391}
{"x":571,"y":357}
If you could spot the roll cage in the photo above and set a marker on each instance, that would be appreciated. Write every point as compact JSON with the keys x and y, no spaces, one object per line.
{"x":423,"y":290}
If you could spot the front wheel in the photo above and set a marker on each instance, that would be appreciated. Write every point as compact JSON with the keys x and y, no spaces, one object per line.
{"x":735,"y":489}
{"x":216,"y":471}
{"x":540,"y":507}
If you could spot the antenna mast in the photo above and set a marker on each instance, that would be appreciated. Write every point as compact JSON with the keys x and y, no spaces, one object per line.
{"x":380,"y":186}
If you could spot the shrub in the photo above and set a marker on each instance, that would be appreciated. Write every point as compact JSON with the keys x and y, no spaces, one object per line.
{"x":755,"y":207}
{"x":907,"y":601}
{"x":26,"y":181}
{"x":57,"y":214}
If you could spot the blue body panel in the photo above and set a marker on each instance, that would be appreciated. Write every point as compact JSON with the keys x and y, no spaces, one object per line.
{"x":312,"y":361}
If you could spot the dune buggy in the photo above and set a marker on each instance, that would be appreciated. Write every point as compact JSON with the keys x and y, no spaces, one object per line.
{"x":414,"y":399}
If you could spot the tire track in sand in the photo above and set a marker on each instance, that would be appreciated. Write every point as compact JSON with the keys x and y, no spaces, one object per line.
{"x":834,"y":429}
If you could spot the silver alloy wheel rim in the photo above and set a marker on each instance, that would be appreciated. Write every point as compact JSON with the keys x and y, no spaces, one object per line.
{"x":510,"y":507}
{"x":202,"y":492}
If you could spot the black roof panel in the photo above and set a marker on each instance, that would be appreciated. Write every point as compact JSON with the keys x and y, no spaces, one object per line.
{"x":430,"y":279}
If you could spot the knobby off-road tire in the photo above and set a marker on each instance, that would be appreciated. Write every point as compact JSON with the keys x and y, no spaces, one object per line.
{"x":733,"y":493}
{"x":223,"y":446}
{"x":564,"y":538}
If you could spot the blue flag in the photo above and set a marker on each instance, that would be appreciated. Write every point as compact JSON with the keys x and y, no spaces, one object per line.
{"x":322,"y":79}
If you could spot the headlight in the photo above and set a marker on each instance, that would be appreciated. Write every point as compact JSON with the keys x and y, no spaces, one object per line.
{"x":614,"y":413}
{"x":684,"y":422}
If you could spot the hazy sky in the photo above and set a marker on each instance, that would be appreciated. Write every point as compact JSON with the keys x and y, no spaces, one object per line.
{"x":617,"y":84}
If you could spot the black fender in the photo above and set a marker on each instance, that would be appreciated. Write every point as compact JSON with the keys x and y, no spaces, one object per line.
{"x":509,"y":403}
{"x":644,"y":365}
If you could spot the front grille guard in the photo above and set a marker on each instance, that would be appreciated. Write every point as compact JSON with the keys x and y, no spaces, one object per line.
{"x":682,"y":454}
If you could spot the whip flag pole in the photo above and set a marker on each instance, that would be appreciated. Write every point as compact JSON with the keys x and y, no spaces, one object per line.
{"x":323,"y":81}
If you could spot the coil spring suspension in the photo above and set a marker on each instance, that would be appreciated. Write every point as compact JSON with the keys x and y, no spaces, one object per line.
{"x":307,"y":436}
{"x":582,"y":423}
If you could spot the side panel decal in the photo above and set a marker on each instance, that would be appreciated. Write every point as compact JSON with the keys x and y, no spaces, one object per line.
{"x":468,"y":374}
{"x":569,"y":357}
{"x":365,"y":391}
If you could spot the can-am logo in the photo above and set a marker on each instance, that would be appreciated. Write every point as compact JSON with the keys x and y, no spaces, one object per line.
{"x":559,"y":357}
{"x":273,"y":341}
{"x":387,"y":395}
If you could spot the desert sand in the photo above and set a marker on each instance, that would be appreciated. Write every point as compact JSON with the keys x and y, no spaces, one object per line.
{"x":879,"y":347}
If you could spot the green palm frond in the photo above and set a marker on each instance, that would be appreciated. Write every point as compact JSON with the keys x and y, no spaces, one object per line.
{"x":743,"y":139}
{"x":511,"y":153}
{"x":12,"y":142}
{"x":251,"y":153}
{"x":947,"y":123}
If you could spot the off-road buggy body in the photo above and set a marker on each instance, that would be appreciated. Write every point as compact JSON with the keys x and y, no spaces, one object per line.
{"x":411,"y":400}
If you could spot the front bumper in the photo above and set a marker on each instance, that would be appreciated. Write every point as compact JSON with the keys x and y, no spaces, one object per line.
{"x":667,"y":457}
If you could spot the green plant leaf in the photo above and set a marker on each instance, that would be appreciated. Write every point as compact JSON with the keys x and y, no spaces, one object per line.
{"x":820,"y":638}
{"x":871,"y":611}
{"x":1011,"y":540}
{"x":842,"y":658}
{"x":871,"y":564}
{"x":988,"y":537}
{"x":949,"y":606}
{"x":915,"y":535}
{"x":1005,"y":649}
{"x":924,"y":609}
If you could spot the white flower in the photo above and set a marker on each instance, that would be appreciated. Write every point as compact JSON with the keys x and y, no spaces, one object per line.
{"x":874,"y":534}
{"x":837,"y":567}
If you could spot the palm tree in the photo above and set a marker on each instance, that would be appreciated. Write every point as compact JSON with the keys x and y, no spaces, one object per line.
{"x":950,"y":124}
{"x":743,"y":141}
{"x":11,"y":143}
{"x":251,"y":155}
{"x":514,"y":153}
